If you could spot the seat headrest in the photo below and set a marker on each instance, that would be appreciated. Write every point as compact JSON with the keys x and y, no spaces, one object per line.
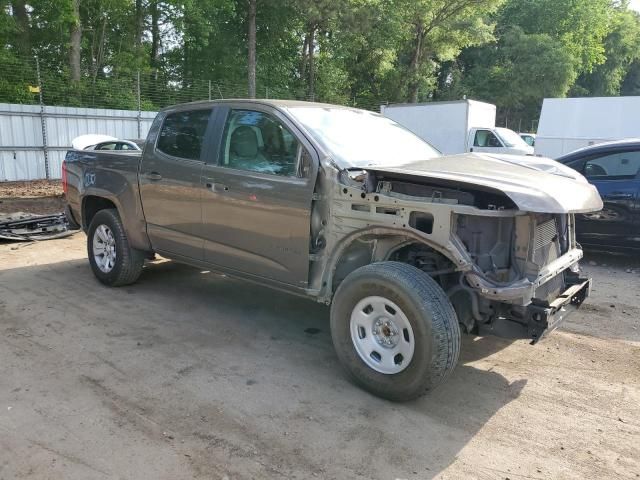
{"x":244,"y":142}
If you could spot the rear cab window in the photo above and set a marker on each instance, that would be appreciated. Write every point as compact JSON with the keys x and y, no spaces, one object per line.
{"x":182,"y":134}
{"x":106,"y":146}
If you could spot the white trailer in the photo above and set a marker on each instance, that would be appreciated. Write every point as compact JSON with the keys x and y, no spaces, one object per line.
{"x":457,"y":127}
{"x":567,"y":124}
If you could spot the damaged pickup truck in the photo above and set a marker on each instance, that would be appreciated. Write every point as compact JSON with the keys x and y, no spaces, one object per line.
{"x":349,"y":208}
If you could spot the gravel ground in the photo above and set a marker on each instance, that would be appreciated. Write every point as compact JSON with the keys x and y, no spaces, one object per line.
{"x":189,"y":374}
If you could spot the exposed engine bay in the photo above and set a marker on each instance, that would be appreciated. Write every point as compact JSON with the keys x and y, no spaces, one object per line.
{"x":502,"y":268}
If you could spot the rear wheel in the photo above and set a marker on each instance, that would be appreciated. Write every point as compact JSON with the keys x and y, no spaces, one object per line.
{"x":112,"y":260}
{"x":394,"y":330}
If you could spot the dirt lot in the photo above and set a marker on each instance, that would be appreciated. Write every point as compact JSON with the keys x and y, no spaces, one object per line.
{"x":37,"y":196}
{"x":188,"y":374}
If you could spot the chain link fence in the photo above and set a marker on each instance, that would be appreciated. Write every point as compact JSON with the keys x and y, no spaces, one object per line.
{"x":33,"y":81}
{"x":41,"y":110}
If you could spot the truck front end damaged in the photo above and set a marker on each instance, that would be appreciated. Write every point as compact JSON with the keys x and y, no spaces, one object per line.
{"x":528,"y":285}
{"x":507,"y":272}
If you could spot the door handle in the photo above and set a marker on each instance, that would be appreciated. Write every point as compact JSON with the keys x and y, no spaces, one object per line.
{"x":155,"y":176}
{"x":216,"y":187}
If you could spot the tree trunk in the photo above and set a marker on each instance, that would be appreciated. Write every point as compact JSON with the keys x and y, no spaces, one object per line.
{"x":251,"y":20}
{"x":139,"y":19}
{"x":312,"y":65}
{"x":414,"y":66}
{"x":22,"y":20}
{"x":304,"y":58}
{"x":155,"y":37}
{"x":76,"y":40}
{"x":100,"y":49}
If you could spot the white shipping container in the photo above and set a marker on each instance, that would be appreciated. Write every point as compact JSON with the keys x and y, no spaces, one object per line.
{"x":567,"y":124}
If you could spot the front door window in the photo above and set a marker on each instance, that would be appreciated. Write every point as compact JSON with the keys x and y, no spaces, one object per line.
{"x":486,"y":138}
{"x":257,"y":142}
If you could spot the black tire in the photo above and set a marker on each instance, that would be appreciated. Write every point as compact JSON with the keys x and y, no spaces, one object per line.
{"x":128,"y":262}
{"x":430,"y":314}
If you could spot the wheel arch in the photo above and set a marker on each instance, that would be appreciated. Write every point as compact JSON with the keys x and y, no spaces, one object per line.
{"x":129,"y":209}
{"x":92,"y":204}
{"x":375,"y":244}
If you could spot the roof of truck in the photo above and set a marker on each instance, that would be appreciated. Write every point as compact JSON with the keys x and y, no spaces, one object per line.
{"x":261,"y":101}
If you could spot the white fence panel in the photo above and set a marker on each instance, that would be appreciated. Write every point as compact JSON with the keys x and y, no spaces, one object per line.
{"x":22,"y":148}
{"x":22,"y":165}
{"x":20,"y":125}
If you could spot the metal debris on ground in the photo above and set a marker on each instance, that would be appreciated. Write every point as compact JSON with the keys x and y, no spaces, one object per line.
{"x":24,"y":227}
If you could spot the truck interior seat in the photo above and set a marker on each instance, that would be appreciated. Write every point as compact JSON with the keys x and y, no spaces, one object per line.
{"x":244,"y":142}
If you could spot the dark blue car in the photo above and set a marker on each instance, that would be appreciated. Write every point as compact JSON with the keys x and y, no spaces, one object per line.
{"x":614,"y":168}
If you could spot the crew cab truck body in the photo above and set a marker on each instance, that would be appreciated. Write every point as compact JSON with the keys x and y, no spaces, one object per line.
{"x":349,"y":208}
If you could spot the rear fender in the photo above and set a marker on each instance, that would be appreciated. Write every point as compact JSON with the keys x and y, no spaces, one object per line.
{"x":129,"y":209}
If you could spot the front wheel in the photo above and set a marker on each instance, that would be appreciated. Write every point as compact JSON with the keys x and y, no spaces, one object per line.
{"x":112,"y":260}
{"x":394,"y":330}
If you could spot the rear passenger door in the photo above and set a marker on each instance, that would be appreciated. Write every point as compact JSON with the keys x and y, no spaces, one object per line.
{"x":257,"y":191}
{"x":170,"y":183}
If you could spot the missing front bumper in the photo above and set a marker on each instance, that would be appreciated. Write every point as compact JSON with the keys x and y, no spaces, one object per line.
{"x":544,"y":318}
{"x":539,"y":318}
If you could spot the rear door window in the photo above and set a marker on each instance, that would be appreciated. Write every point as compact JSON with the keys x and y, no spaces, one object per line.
{"x":615,"y":166}
{"x":182,"y":134}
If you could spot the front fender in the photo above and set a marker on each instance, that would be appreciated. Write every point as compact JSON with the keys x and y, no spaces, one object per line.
{"x":457,"y":255}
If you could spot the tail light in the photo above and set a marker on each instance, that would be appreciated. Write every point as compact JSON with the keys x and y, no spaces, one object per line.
{"x":64,"y":177}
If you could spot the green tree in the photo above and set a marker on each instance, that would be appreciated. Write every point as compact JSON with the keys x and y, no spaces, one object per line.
{"x":438,"y":30}
{"x":621,"y":50}
{"x":580,"y":25}
{"x":519,"y":71}
{"x":359,"y":52}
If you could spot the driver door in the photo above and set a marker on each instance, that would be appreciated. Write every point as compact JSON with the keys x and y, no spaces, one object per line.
{"x":257,"y":191}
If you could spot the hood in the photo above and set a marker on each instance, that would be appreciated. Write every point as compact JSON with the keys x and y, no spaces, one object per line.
{"x":534,"y":184}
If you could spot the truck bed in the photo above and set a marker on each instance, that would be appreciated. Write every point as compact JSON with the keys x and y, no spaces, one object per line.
{"x":115,"y":176}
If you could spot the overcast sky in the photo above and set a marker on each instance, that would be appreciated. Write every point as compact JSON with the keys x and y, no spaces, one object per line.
{"x":635,"y":4}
